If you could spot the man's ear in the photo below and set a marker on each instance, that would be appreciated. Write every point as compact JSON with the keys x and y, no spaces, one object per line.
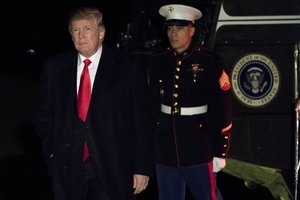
{"x":102,"y":34}
{"x":192,"y":30}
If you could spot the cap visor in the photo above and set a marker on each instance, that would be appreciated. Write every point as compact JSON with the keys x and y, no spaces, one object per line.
{"x":177,"y":22}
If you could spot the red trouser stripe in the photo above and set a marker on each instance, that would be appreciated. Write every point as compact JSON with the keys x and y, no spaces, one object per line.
{"x":212,"y":182}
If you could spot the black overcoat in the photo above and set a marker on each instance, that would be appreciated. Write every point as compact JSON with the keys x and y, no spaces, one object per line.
{"x":117,"y":128}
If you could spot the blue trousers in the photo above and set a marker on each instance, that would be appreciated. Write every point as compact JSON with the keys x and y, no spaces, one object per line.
{"x":200,"y":180}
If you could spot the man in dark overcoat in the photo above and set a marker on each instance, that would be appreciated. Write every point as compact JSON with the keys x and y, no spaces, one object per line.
{"x":104,"y":154}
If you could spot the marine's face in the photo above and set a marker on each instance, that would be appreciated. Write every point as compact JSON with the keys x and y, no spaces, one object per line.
{"x":87,"y":36}
{"x":180,"y":37}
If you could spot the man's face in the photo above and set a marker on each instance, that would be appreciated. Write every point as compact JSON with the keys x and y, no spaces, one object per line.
{"x":87,"y":36}
{"x":180,"y":37}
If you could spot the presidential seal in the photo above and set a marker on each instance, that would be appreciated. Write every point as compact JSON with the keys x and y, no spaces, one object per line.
{"x":255,"y":80}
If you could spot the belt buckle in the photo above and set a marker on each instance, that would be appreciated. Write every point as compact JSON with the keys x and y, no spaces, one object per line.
{"x":176,"y":111}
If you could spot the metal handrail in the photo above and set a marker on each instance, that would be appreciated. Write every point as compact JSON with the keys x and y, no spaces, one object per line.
{"x":297,"y":113}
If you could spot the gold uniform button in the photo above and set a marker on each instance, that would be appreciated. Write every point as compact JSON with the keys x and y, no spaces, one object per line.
{"x":161,"y":91}
{"x":225,"y":145}
{"x":175,"y":95}
{"x":176,"y":86}
{"x":176,"y":76}
{"x":223,"y":154}
{"x":200,"y":125}
{"x":178,"y":69}
{"x":179,"y":62}
{"x":226,"y":137}
{"x":175,"y":103}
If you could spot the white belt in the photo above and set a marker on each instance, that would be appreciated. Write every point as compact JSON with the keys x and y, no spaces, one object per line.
{"x":185,"y":110}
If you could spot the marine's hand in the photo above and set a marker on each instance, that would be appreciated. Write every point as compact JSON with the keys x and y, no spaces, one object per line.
{"x":140,"y":183}
{"x":218,"y":164}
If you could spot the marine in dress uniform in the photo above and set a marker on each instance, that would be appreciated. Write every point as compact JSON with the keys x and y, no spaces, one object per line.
{"x":191,"y":96}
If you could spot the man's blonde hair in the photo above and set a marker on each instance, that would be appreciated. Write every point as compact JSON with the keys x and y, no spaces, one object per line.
{"x":86,"y":13}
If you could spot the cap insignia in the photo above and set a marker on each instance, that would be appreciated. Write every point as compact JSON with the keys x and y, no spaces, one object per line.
{"x":171,"y":9}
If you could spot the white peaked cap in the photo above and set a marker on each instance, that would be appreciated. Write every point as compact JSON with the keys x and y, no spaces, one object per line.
{"x":180,"y":12}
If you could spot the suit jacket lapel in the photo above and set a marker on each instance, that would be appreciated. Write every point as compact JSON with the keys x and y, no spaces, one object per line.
{"x":103,"y":74}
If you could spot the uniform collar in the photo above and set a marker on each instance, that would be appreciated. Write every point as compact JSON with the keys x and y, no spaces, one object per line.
{"x":185,"y":53}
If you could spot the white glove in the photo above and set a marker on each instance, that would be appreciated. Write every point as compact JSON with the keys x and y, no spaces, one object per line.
{"x":218,"y":164}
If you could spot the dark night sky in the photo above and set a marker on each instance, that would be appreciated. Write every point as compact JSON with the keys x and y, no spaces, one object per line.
{"x":42,"y":25}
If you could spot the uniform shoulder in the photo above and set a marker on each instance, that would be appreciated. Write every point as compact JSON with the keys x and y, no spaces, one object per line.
{"x":160,"y":52}
{"x":202,"y":50}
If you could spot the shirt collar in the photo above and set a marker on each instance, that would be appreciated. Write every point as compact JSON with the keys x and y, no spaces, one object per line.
{"x":94,"y":58}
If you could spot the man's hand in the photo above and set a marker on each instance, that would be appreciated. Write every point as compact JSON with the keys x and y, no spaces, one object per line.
{"x":140,"y":182}
{"x":218,"y":164}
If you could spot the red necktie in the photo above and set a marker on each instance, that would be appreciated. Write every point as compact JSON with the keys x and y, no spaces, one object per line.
{"x":83,"y":99}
